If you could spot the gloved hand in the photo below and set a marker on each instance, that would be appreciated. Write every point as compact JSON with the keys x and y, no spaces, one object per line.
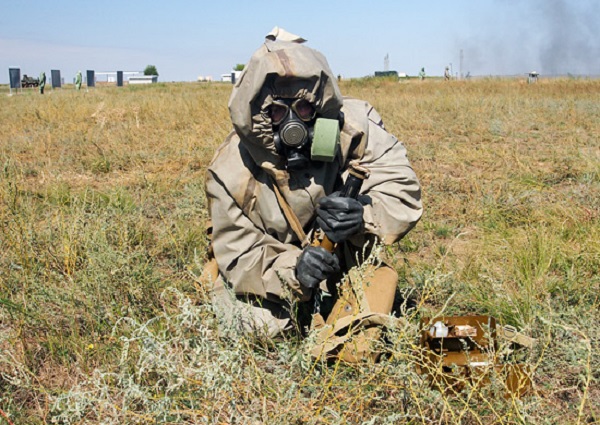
{"x":314,"y":265}
{"x":339,"y":217}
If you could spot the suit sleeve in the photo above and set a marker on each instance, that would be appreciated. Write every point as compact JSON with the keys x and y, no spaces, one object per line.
{"x":393,"y":186}
{"x":251,"y":260}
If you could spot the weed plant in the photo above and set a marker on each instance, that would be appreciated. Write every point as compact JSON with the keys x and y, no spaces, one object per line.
{"x":105,"y":320}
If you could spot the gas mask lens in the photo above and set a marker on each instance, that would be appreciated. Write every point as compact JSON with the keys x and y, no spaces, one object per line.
{"x":279,"y":110}
{"x":304,"y":109}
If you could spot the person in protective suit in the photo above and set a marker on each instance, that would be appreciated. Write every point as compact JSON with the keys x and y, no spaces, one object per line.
{"x":78,"y":80}
{"x":271,"y":183}
{"x":42,"y":82}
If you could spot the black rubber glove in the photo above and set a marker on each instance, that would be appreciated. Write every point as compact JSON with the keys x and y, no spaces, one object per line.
{"x":314,"y":265}
{"x":339,"y":217}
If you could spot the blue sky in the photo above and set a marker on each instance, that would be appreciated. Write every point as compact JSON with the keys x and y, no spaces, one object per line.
{"x":187,"y":39}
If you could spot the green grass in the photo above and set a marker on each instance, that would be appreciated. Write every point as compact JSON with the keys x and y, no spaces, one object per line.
{"x":104,"y":318}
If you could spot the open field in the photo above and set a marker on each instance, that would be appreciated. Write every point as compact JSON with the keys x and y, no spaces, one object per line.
{"x":103,"y":317}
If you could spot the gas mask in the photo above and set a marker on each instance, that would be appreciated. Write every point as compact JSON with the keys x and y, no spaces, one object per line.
{"x":301,"y":137}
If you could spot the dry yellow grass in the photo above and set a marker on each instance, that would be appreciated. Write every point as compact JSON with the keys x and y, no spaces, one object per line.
{"x":102,"y":209}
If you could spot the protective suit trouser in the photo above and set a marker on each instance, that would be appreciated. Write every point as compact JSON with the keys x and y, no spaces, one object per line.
{"x":258,"y":317}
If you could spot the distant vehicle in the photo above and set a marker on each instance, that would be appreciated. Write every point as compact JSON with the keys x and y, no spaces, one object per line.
{"x":29,"y":81}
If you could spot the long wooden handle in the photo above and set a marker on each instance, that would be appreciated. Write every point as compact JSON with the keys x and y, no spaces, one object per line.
{"x":326,"y":243}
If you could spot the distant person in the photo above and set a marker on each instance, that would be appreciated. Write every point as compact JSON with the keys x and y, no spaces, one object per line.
{"x":78,"y":81}
{"x":422,"y":74}
{"x":42,"y":82}
{"x":447,"y":74}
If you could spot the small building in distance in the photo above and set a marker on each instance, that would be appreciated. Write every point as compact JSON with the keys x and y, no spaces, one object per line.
{"x":143,"y":79}
{"x":232,"y":77}
{"x":386,"y":73}
{"x":532,"y":77}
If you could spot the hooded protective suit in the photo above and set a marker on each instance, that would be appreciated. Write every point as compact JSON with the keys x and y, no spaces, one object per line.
{"x":254,"y":243}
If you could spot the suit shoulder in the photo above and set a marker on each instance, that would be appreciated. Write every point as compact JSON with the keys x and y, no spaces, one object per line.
{"x":232,"y":168}
{"x":227,"y":153}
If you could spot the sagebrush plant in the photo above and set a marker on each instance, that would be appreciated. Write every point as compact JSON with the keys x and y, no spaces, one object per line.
{"x":104,"y":319}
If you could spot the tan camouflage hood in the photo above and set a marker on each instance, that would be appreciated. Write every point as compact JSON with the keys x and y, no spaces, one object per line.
{"x":279,"y":68}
